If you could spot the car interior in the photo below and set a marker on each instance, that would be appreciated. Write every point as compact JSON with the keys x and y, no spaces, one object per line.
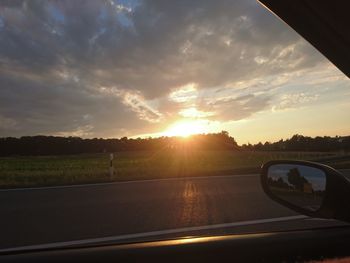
{"x":323,"y":193}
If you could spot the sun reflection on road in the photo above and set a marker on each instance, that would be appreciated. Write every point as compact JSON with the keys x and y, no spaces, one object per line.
{"x":192,"y":204}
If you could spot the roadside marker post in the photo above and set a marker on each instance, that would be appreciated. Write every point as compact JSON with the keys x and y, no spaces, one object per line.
{"x":111,"y":170}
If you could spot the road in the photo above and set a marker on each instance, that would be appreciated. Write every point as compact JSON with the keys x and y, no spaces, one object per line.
{"x":143,"y":210}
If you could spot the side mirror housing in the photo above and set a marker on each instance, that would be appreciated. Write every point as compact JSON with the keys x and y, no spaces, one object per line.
{"x":308,"y":188}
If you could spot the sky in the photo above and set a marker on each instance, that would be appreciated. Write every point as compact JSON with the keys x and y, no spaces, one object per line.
{"x":315,"y":176}
{"x":161,"y":68}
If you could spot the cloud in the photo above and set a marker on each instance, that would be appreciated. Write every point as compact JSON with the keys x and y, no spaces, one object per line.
{"x":237,"y":108}
{"x":136,"y":66}
{"x":289,"y":101}
{"x":7,"y":123}
{"x":140,"y":107}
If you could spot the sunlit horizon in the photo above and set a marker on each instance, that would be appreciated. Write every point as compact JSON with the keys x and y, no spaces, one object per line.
{"x":185,"y":128}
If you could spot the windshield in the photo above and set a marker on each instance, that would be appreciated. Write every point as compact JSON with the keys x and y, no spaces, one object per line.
{"x":129,"y":120}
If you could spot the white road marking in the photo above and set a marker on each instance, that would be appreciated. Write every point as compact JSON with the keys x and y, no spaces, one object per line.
{"x":323,"y":219}
{"x":127,"y":182}
{"x":148,"y":234}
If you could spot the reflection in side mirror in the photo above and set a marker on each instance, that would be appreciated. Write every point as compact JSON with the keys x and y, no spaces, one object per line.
{"x":299,"y":185}
{"x":309,"y":188}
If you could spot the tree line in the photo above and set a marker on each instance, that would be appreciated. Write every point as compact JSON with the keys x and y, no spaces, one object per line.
{"x":54,"y":145}
{"x":304,"y":143}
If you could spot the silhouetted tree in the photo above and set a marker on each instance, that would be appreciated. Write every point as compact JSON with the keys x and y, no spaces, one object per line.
{"x":294,"y":178}
{"x":53,"y":145}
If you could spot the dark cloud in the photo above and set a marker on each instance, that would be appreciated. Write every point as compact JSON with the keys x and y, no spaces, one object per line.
{"x":36,"y":108}
{"x":106,"y":68}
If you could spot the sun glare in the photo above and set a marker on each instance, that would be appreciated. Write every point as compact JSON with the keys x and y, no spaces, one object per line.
{"x":186,"y":128}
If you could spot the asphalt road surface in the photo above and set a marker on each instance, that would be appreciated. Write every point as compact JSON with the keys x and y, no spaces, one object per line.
{"x":144,"y":210}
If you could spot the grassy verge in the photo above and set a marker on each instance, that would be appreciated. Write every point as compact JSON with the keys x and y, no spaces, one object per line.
{"x":77,"y":169}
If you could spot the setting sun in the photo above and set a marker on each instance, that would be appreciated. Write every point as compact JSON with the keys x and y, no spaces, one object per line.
{"x":186,"y":128}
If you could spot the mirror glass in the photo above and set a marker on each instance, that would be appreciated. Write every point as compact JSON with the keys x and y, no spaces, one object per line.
{"x":300,"y":185}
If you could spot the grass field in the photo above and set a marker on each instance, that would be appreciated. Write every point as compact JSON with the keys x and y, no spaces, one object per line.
{"x":61,"y":170}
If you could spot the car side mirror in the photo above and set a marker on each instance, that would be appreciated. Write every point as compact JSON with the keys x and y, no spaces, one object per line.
{"x":308,"y":188}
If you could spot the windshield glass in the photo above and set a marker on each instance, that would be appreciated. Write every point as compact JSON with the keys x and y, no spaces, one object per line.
{"x":127,"y":120}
